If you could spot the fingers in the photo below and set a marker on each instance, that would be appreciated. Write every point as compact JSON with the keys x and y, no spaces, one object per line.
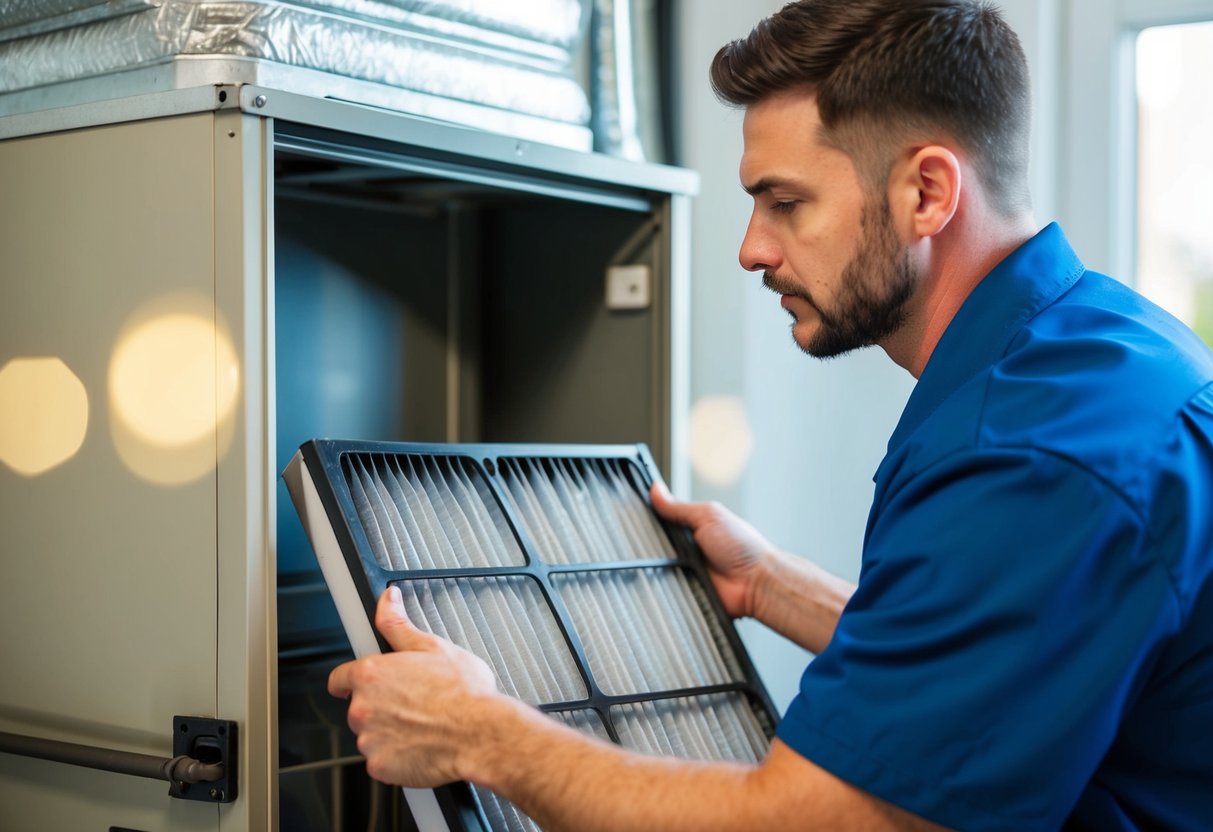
{"x":393,"y":622}
{"x":340,"y":682}
{"x":678,"y":511}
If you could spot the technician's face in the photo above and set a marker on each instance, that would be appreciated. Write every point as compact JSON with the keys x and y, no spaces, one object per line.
{"x":833,"y":256}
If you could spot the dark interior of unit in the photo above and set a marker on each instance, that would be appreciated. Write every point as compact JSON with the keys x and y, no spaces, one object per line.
{"x":423,"y":308}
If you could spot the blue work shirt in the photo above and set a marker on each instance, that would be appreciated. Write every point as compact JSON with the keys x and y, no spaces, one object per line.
{"x":1031,"y":642}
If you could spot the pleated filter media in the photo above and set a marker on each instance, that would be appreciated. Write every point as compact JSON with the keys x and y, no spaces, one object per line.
{"x":550,"y":564}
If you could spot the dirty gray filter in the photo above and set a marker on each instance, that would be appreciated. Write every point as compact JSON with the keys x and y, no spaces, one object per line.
{"x":644,"y":629}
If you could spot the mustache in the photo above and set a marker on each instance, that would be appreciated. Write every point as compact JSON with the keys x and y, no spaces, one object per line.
{"x":783,"y":286}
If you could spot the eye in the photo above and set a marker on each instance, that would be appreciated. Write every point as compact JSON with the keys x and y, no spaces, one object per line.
{"x":784,"y":206}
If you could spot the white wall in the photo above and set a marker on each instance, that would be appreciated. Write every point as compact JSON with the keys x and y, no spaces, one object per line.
{"x":819,"y":428}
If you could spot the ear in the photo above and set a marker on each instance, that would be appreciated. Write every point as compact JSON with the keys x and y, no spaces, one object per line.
{"x":924,"y":190}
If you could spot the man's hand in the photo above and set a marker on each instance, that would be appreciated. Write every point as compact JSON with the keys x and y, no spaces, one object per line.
{"x":734,"y":549}
{"x":413,"y":710}
{"x":790,"y":595}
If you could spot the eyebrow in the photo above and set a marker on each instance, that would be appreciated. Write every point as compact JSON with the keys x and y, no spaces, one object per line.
{"x":765,"y":184}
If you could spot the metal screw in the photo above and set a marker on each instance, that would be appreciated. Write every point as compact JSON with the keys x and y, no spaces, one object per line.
{"x":216,"y":794}
{"x":259,"y":101}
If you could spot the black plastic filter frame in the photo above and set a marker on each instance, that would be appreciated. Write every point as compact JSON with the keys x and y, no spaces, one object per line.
{"x":326,"y":461}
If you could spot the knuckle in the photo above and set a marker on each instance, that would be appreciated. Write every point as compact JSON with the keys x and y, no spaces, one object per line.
{"x":358,"y":715}
{"x":376,"y":769}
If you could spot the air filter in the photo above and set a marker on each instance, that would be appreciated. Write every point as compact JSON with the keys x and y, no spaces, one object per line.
{"x":550,"y":564}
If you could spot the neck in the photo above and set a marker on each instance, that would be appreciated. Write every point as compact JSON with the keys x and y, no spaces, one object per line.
{"x":951,"y":263}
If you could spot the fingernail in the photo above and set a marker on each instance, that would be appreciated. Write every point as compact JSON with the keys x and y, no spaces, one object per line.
{"x":393,"y":593}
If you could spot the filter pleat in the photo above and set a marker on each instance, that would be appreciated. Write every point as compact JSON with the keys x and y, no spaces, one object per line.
{"x":366,"y":514}
{"x":446,"y":532}
{"x":472,"y":544}
{"x":697,"y":731}
{"x":414,"y":554}
{"x":390,"y":551}
{"x":659,"y":597}
{"x":710,"y":727}
{"x":504,"y":815}
{"x":394,"y":532}
{"x":650,"y":538}
{"x":570,"y":544}
{"x":587,"y":535}
{"x":641,"y":729}
{"x":535,"y":516}
{"x":684,"y":617}
{"x":609,"y":632}
{"x":584,"y":511}
{"x":605,"y":619}
{"x":524,"y":662}
{"x":556,"y":678}
{"x":591,"y":510}
{"x":618,"y":503}
{"x":414,"y":503}
{"x":600,"y":511}
{"x":488,"y":527}
{"x":737,"y":729}
{"x":643,"y":630}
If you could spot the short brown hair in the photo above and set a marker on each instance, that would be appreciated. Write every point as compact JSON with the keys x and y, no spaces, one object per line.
{"x":885,"y":72}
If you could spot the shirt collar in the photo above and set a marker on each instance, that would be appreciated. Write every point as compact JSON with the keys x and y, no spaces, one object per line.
{"x":1030,"y":278}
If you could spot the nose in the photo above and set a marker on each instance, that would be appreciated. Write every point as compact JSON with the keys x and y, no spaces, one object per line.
{"x":759,"y":252}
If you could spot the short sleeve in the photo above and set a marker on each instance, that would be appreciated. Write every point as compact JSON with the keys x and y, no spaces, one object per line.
{"x":1007,"y":609}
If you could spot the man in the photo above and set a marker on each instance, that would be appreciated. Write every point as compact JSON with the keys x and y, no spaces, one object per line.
{"x":1030,"y":645}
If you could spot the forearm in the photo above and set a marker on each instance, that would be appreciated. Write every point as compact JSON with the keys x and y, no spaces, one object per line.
{"x":799,"y":600}
{"x":567,"y":781}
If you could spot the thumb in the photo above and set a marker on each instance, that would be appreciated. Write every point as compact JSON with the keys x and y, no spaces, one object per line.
{"x":677,"y":511}
{"x":393,"y":622}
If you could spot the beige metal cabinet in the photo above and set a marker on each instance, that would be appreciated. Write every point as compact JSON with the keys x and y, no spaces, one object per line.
{"x":193,"y":282}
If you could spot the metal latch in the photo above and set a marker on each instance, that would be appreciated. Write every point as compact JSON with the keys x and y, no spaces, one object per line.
{"x":197,"y":742}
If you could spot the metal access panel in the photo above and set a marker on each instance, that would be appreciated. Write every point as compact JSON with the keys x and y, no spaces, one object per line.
{"x":549,"y":562}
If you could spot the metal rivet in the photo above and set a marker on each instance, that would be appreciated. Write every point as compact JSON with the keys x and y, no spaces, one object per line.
{"x":216,"y":794}
{"x":259,"y":101}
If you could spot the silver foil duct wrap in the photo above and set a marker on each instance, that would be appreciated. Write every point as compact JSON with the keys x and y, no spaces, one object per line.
{"x":512,"y":56}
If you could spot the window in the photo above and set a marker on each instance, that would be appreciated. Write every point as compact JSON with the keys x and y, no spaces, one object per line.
{"x":1135,"y":166}
{"x":1174,"y":246}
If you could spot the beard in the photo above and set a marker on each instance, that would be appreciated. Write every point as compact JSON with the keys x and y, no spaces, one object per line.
{"x":874,"y":288}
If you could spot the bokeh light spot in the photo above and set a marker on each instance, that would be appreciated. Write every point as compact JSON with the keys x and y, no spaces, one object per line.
{"x":43,"y":414}
{"x":721,"y":439}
